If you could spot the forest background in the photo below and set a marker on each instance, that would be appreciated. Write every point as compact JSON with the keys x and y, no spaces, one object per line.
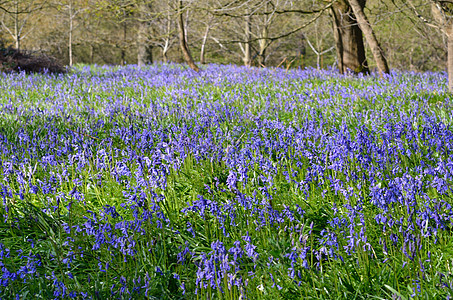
{"x":259,"y":33}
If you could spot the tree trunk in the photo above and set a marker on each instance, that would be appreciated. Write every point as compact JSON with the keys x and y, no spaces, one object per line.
{"x":123,"y":57}
{"x":183,"y":42}
{"x":248,"y":36}
{"x":71,"y":29}
{"x":70,"y":47}
{"x":348,"y":39}
{"x":262,"y":58}
{"x":144,"y":49}
{"x":203,"y":44}
{"x":123,"y":47}
{"x":263,"y":44}
{"x":91,"y":54}
{"x":17,"y":36}
{"x":370,"y":37}
{"x":167,"y":43}
{"x":450,"y":58}
{"x":445,"y":23}
{"x":164,"y":55}
{"x":144,"y":55}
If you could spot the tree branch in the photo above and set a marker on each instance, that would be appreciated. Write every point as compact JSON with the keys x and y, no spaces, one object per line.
{"x":318,"y":15}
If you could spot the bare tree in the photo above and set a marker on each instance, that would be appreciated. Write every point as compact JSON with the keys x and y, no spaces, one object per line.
{"x":72,"y":11}
{"x":442,"y":20}
{"x":162,"y":28}
{"x":144,"y":46}
{"x":183,"y":39}
{"x":318,"y":52}
{"x":16,"y":16}
{"x":209,"y":24}
{"x":357,"y":8}
{"x":246,"y":45}
{"x":443,"y":15}
{"x":240,"y":16}
{"x":251,"y":26}
{"x":349,"y":41}
{"x":265,"y":22}
{"x":348,"y":38}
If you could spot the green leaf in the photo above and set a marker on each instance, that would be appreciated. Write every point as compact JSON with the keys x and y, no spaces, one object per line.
{"x":395,"y":292}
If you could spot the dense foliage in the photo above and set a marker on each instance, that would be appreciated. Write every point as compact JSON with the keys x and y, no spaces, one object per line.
{"x":230,"y":183}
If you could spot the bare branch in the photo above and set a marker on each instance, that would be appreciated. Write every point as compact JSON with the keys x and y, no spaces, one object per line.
{"x":317,"y":16}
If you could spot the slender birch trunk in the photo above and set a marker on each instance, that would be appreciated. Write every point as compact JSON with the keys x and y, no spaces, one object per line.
{"x":248,"y":36}
{"x":71,"y":28}
{"x":203,"y":44}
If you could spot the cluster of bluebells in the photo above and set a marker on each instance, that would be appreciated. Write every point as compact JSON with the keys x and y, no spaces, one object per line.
{"x":198,"y":182}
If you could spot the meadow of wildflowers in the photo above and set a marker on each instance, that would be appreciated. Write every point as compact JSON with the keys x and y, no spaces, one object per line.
{"x":231,"y":183}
